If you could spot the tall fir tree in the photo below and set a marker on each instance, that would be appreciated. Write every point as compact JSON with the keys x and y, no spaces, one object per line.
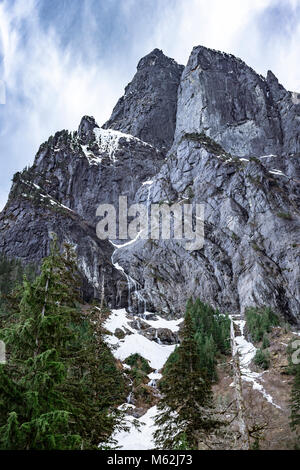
{"x":54,"y":389}
{"x":184,"y":416}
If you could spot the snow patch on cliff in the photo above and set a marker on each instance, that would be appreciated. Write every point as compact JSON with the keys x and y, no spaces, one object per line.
{"x":108,"y":140}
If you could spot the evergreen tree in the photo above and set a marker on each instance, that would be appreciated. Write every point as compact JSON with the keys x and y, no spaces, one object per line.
{"x":295,"y":404}
{"x":60,"y":381}
{"x":11,"y":275}
{"x":187,"y":396}
{"x":260,"y":322}
{"x":212,"y":335}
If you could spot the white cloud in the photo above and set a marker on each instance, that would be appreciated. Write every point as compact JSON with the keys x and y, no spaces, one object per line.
{"x":57,"y":88}
{"x":48,"y":88}
{"x":232,"y":26}
{"x":215,"y":24}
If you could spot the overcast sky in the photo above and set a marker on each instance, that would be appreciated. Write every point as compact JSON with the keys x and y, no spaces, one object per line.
{"x":61,"y":59}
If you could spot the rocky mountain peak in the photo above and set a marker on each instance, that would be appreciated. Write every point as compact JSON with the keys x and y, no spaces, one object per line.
{"x":148,"y":108}
{"x":271,"y":77}
{"x":156,"y":58}
{"x":86,"y":127}
{"x":235,"y":150}
{"x":241,"y":110}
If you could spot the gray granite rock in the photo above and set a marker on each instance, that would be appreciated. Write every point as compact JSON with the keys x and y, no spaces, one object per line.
{"x":288,"y":105}
{"x":225,"y":111}
{"x":244,"y":112}
{"x":252,"y":224}
{"x":27,"y":225}
{"x":148,"y":108}
{"x":72,"y":174}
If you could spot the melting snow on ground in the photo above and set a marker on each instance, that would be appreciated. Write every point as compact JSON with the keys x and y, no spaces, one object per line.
{"x":138,"y":438}
{"x":247,"y":352}
{"x":156,"y":354}
{"x":141,"y":437}
{"x":154,"y":378}
{"x":172,"y":325}
{"x":118,"y":319}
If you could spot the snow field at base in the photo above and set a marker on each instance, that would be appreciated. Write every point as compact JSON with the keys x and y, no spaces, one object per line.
{"x":141,"y":437}
{"x":156,"y":354}
{"x":172,"y":325}
{"x":154,"y":376}
{"x":138,"y":438}
{"x":247,"y":351}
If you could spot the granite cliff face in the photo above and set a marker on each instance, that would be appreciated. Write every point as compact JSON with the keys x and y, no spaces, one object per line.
{"x":72,"y":174}
{"x":244,"y":112}
{"x":148,"y":108}
{"x":233,"y":144}
{"x":251,"y":250}
{"x":236,"y":149}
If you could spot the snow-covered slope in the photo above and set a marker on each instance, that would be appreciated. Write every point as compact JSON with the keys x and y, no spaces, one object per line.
{"x":246,"y":352}
{"x":139,"y":437}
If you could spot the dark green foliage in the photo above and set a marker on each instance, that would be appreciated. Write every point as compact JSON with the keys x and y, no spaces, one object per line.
{"x":255,"y":444}
{"x":260,"y":321}
{"x":262,"y":356}
{"x":212,"y":335}
{"x":207,"y":355}
{"x":138,"y":373}
{"x":182,"y":442}
{"x":295,"y":405}
{"x":12,"y":273}
{"x":262,"y":359}
{"x":285,"y":215}
{"x":137,"y":361}
{"x":60,"y":384}
{"x":266,"y":341}
{"x":186,"y":396}
{"x":210,"y":323}
{"x":173,"y":359}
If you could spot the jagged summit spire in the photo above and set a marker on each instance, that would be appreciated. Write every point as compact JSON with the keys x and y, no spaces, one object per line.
{"x":148,"y":108}
{"x":271,"y":77}
{"x":154,"y":58}
{"x":86,"y":127}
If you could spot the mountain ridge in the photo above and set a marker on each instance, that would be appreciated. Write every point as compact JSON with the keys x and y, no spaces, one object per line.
{"x":252,"y":200}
